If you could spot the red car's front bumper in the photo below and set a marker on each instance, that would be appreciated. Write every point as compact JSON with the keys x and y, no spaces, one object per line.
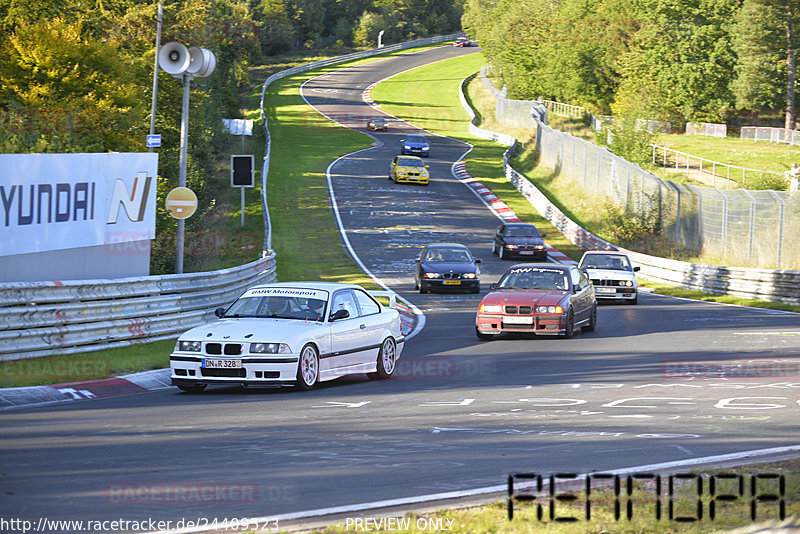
{"x":495,"y":323}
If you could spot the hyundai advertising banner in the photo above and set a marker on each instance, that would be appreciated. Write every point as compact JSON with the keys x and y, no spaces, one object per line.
{"x":62,"y":201}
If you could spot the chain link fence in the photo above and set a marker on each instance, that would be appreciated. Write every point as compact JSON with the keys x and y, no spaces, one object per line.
{"x":735,"y":226}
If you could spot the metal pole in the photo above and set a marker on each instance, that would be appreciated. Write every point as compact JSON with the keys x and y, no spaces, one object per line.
{"x":781,"y":212}
{"x":242,"y":189}
{"x":179,"y":234}
{"x":155,"y":76}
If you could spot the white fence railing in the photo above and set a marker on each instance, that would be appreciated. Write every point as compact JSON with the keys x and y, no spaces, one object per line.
{"x":705,"y":170}
{"x":706,"y":128}
{"x":773,"y":135}
{"x":765,"y":284}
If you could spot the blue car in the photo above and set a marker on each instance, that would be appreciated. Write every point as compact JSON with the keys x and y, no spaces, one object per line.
{"x":415,"y":145}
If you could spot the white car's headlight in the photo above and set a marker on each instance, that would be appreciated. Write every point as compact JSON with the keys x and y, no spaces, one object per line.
{"x":627,"y":283}
{"x":470,"y":275}
{"x":189,"y":346}
{"x":270,"y":348}
{"x":491,"y":308}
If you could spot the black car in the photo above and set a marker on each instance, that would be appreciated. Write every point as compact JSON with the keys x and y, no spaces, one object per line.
{"x":520,"y":240}
{"x":377,"y":123}
{"x":415,"y":145}
{"x":444,"y":266}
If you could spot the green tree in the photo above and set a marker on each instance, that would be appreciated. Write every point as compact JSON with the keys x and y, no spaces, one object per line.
{"x":76,"y":91}
{"x":764,"y":40}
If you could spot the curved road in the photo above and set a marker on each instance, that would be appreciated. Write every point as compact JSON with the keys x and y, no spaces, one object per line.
{"x":668,"y":380}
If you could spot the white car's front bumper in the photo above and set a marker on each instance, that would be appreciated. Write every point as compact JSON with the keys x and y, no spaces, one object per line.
{"x":262,"y":370}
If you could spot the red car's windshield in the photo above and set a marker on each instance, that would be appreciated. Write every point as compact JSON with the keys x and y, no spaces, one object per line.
{"x":534,"y":278}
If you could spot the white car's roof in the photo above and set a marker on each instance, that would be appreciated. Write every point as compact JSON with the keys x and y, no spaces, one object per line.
{"x":323,"y":286}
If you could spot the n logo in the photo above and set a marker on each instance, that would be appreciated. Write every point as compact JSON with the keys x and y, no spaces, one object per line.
{"x":135,"y":203}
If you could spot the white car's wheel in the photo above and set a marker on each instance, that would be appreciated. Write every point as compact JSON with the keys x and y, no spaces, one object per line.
{"x":387,"y":358}
{"x":308,"y":368}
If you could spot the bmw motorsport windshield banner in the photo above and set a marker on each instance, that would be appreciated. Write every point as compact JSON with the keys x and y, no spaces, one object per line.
{"x":286,"y":292}
{"x":60,"y":201}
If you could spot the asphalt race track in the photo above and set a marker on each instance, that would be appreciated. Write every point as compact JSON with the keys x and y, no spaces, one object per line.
{"x":667,"y":380}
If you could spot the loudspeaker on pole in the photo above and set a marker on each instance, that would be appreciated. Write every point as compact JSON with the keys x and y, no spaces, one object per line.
{"x":203,"y":62}
{"x":174,"y":58}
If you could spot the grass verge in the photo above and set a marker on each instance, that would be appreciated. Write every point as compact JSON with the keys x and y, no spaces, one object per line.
{"x":685,"y":500}
{"x":304,"y":231}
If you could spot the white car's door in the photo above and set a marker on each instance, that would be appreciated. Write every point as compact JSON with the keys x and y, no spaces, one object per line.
{"x":349,"y":337}
{"x":376,"y":323}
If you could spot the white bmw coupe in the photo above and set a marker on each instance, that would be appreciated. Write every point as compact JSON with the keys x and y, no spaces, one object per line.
{"x":290,"y":334}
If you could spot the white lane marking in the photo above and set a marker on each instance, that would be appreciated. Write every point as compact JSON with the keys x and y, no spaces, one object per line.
{"x":335,"y":404}
{"x":728,"y":403}
{"x":618,"y":402}
{"x":465,"y":402}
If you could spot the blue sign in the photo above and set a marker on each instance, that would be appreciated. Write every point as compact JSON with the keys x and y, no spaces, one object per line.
{"x":154,"y":141}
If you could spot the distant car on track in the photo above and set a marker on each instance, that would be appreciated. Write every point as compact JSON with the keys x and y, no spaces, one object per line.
{"x":377,"y":123}
{"x":409,"y":169}
{"x":462,"y":41}
{"x":538,"y":298}
{"x":415,"y":145}
{"x":613,"y":276}
{"x":446,"y":266}
{"x":290,"y":334}
{"x":521,"y":240}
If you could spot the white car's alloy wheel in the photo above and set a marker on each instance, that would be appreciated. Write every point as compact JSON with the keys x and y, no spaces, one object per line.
{"x":308,"y":368}
{"x":387,"y":360}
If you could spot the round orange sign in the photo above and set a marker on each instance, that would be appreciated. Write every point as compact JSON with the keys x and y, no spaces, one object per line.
{"x":181,"y":202}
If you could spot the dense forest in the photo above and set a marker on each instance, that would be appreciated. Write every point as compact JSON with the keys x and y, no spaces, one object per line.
{"x":677,"y":60}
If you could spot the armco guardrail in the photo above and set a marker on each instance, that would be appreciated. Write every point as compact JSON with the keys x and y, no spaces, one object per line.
{"x":765,"y":284}
{"x":40,"y":319}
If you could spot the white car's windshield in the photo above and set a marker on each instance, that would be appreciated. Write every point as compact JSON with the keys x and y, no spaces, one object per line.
{"x":606,"y":261}
{"x":306,"y":305}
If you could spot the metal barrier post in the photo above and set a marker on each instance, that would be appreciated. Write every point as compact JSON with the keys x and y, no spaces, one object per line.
{"x":781,"y":213}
